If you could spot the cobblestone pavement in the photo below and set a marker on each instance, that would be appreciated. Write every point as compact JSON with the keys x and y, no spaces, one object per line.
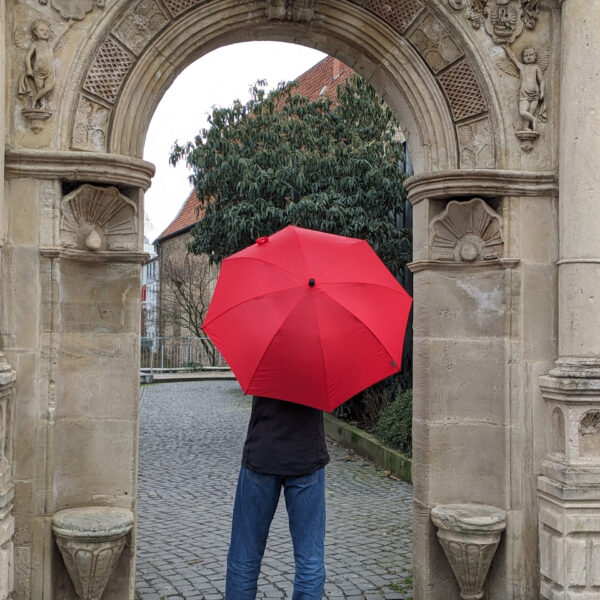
{"x":191,"y":437}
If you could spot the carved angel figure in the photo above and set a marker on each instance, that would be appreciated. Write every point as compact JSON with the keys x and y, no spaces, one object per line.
{"x":38,"y":80}
{"x":530,"y":69}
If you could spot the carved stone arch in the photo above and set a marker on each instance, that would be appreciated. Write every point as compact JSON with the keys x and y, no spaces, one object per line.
{"x":443,"y":99}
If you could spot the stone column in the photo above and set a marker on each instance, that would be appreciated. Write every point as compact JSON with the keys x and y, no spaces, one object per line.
{"x":569,"y":487}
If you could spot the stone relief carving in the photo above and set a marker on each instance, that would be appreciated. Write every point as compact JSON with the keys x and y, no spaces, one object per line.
{"x":589,"y":434}
{"x":98,"y":219}
{"x":531,"y":100}
{"x":139,"y":25}
{"x":37,"y":82}
{"x":466,"y":232}
{"x":291,"y":10}
{"x":476,"y":145}
{"x":91,"y":125}
{"x":435,"y":43}
{"x":504,"y":20}
{"x":74,"y":9}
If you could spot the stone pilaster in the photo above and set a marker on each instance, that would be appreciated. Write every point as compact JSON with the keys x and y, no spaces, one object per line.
{"x":569,"y":487}
{"x":7,"y":386}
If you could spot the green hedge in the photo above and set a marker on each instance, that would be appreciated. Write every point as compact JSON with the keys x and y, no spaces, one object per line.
{"x":394,"y":426}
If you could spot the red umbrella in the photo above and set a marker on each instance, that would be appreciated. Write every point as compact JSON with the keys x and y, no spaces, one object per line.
{"x":308,"y":317}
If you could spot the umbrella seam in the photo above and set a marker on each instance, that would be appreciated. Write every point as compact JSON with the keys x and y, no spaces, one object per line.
{"x":364,"y":324}
{"x":243,"y":301}
{"x":271,"y":341}
{"x":316,"y":313}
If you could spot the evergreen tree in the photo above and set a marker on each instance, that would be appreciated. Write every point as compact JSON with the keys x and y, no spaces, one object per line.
{"x":281,"y":159}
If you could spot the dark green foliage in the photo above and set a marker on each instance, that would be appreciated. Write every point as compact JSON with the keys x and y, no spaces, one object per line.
{"x":394,"y":427}
{"x":280,"y":159}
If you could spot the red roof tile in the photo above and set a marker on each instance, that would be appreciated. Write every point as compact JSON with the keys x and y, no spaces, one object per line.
{"x":186,"y":217}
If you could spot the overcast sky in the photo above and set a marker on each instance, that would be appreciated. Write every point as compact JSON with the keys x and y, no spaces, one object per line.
{"x":214,"y":80}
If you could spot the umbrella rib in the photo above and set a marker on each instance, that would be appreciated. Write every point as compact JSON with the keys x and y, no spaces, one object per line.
{"x":267,"y":262}
{"x":244,"y":300}
{"x":360,"y":321}
{"x":268,"y":346}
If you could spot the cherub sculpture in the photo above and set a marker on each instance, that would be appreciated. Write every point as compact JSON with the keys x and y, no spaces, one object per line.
{"x":530,"y":69}
{"x":39,"y":78}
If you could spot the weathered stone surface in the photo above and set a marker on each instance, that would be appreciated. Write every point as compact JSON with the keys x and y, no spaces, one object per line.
{"x":484,"y":333}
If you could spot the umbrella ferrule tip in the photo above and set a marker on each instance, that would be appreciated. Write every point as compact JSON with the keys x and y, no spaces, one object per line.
{"x":311,"y":282}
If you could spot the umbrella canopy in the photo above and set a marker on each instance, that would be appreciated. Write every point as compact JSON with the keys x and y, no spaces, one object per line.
{"x":308,"y":317}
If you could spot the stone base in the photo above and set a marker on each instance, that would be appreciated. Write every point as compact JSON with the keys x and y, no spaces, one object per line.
{"x":569,"y":534}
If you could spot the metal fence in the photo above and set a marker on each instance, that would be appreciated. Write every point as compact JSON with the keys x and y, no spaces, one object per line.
{"x":179,"y":354}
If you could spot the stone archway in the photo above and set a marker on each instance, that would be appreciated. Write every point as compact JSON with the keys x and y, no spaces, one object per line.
{"x":486,"y":247}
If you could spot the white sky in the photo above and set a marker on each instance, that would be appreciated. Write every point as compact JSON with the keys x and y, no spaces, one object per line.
{"x":214,"y":80}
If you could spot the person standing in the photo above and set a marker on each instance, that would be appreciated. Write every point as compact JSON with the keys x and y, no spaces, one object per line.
{"x":285,"y":448}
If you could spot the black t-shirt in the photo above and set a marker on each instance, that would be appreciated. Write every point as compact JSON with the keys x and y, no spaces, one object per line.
{"x":284,"y":438}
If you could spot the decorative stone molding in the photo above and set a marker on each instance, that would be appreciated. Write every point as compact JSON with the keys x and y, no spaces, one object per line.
{"x":503,"y":20}
{"x":7,"y":390}
{"x":90,"y":540}
{"x":98,"y":219}
{"x":469,"y":535}
{"x":291,"y":10}
{"x":466,"y":232}
{"x":485,"y":183}
{"x":79,"y":166}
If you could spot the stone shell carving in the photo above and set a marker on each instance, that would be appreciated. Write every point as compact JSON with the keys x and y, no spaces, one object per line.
{"x":466,"y":232}
{"x":291,"y":10}
{"x":589,"y":434}
{"x":98,"y":219}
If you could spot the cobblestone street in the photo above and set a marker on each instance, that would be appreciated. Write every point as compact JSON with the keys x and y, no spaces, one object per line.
{"x":191,"y":436}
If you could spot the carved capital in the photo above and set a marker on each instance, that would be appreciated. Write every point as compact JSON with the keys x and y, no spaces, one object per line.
{"x":291,"y":10}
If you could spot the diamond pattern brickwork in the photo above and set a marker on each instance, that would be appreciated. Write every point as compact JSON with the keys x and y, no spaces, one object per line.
{"x":176,"y":7}
{"x":398,"y":13}
{"x":109,"y":68}
{"x":462,"y":90}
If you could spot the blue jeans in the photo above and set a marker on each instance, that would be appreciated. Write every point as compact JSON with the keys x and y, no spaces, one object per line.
{"x":256,"y":499}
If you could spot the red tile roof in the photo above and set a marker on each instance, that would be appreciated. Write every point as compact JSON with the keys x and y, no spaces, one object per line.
{"x":186,"y":217}
{"x":320,"y":80}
